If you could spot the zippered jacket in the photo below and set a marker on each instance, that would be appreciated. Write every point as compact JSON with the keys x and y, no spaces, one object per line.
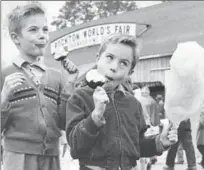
{"x":119,"y":142}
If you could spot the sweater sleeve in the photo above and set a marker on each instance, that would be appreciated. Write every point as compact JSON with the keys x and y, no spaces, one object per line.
{"x":66,"y":89}
{"x":148,"y":146}
{"x":4,"y":116}
{"x":81,"y":130}
{"x":4,"y":111}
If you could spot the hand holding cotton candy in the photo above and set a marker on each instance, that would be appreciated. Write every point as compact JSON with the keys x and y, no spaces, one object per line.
{"x":185,"y":82}
{"x":94,"y":79}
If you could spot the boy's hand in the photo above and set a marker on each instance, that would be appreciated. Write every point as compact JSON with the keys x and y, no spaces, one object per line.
{"x":100,"y":100}
{"x":10,"y":83}
{"x":169,"y":135}
{"x":71,"y":68}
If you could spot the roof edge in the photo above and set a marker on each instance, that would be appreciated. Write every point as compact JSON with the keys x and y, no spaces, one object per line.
{"x":155,"y":56}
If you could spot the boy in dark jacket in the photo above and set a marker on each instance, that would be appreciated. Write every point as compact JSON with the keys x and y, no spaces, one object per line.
{"x":33,"y":96}
{"x":105,"y":127}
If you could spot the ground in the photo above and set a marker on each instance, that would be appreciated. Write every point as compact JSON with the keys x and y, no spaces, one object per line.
{"x":69,"y":164}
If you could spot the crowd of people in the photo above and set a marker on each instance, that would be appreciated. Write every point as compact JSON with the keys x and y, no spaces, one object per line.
{"x":104,"y":127}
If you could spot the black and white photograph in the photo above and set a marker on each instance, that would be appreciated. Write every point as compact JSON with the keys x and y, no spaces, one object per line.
{"x":102,"y":85}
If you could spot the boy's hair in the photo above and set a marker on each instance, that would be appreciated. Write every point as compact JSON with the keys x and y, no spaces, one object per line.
{"x":18,"y":14}
{"x":125,"y":39}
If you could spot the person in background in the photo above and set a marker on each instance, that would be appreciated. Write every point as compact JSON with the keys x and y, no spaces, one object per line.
{"x":179,"y":156}
{"x":185,"y":137}
{"x":160,"y":101}
{"x":150,"y":106}
{"x":200,"y":137}
{"x":33,"y":96}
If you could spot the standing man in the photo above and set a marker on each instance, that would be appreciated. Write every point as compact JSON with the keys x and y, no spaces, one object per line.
{"x":185,"y":137}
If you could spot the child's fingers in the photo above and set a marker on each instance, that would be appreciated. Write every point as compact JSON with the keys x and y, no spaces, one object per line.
{"x":173,"y":137}
{"x":106,"y":99}
{"x":9,"y":83}
{"x":70,"y":66}
{"x":14,"y":81}
{"x":15,"y":76}
{"x":15,"y":85}
{"x":173,"y":131}
{"x":101,"y":95}
{"x":100,"y":89}
{"x":73,"y":67}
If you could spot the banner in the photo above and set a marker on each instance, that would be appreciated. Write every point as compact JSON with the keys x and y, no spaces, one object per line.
{"x":91,"y":36}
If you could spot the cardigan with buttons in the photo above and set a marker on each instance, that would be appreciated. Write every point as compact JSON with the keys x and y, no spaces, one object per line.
{"x":36,"y":114}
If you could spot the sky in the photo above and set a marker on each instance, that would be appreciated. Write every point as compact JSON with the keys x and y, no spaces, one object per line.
{"x":8,"y":50}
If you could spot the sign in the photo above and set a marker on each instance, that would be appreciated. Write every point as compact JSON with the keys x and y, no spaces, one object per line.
{"x":91,"y":36}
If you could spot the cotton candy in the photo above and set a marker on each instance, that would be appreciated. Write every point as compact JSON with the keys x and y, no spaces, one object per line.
{"x":185,"y":82}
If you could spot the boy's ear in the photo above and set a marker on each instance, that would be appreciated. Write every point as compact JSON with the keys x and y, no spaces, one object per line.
{"x":131,"y":71}
{"x":15,"y":37}
{"x":97,"y":56}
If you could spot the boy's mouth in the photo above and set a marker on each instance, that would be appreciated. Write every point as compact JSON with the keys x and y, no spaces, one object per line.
{"x":41,"y":45}
{"x":109,"y":78}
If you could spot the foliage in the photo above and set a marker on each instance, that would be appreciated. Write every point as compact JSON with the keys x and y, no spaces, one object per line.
{"x":77,"y":12}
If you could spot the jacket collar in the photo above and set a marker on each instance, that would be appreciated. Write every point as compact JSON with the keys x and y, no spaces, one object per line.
{"x":121,"y":89}
{"x":19,"y":61}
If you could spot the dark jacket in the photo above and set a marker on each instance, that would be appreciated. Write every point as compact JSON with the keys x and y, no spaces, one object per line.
{"x":120,"y":142}
{"x":32,"y":123}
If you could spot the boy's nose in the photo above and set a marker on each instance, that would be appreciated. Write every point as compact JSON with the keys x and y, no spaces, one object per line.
{"x":114,"y":67}
{"x":42,"y":35}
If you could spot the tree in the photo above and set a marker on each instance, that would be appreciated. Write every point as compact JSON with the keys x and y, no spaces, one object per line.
{"x":78,"y":12}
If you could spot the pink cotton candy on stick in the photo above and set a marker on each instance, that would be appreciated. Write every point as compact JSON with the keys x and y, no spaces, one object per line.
{"x":185,"y":82}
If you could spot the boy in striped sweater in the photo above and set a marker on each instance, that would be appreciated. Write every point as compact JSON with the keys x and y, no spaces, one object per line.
{"x":33,"y":96}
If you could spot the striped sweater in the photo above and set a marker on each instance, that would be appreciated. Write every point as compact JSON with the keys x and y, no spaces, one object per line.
{"x":35,"y":116}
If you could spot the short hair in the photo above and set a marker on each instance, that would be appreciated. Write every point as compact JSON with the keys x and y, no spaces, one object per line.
{"x":19,"y":13}
{"x":145,"y":89}
{"x":125,"y":39}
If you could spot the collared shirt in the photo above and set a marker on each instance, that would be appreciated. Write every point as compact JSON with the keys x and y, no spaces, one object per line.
{"x":34,"y":70}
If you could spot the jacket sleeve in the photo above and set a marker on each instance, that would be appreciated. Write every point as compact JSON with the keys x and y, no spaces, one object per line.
{"x":62,"y":109}
{"x":148,"y":146}
{"x":81,"y":131}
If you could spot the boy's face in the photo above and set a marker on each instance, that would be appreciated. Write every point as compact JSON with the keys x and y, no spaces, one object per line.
{"x":34,"y":36}
{"x":115,"y":63}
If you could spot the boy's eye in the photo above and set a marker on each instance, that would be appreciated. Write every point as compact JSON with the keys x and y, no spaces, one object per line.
{"x":45,"y":29}
{"x":33,"y":30}
{"x":124,"y":64}
{"x":109,"y":57}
